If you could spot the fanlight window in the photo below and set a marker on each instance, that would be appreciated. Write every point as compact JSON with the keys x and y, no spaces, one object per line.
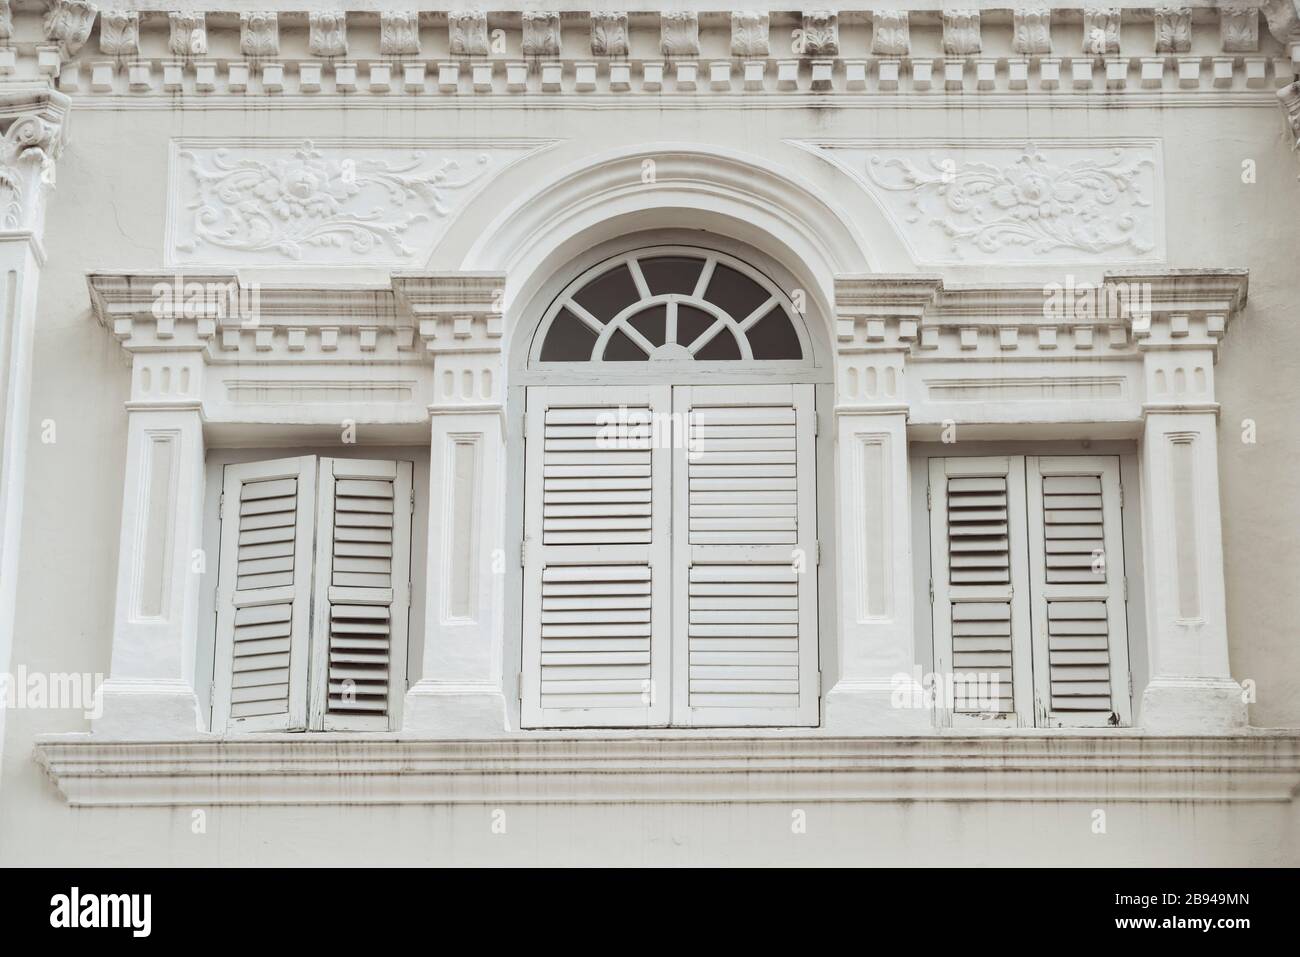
{"x":671,"y":304}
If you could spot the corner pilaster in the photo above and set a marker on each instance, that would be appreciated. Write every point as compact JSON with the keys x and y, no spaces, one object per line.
{"x":33,"y":126}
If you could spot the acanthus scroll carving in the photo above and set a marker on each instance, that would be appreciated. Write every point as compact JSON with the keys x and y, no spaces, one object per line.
{"x":328,"y":33}
{"x":289,"y":204}
{"x":28,"y":151}
{"x":1088,"y":206}
{"x":609,"y":34}
{"x":68,"y":23}
{"x":749,"y":33}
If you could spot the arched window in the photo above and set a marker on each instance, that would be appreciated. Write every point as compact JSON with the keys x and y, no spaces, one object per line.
{"x":675,"y":303}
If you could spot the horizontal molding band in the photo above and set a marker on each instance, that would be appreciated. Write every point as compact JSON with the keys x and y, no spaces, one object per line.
{"x":331,"y":769}
{"x":934,"y":100}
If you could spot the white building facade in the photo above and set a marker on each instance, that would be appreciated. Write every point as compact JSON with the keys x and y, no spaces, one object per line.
{"x":644,"y":426}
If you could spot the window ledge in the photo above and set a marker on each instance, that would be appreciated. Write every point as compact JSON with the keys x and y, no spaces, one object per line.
{"x":1260,"y":766}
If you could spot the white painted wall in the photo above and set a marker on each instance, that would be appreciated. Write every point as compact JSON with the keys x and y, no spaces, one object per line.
{"x":110,"y":212}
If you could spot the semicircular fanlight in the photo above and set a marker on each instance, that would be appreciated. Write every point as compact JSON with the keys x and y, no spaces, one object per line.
{"x":672,"y":305}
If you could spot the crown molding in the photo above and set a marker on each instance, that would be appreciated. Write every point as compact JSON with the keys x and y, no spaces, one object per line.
{"x":230,"y":319}
{"x":1124,"y":313}
{"x":165,"y":48}
{"x":89,"y":771}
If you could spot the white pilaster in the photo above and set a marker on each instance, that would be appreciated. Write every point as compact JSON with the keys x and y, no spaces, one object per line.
{"x":149,"y":692}
{"x":32,"y":121}
{"x":877,"y":319}
{"x":1191,"y":690}
{"x":459,"y":693}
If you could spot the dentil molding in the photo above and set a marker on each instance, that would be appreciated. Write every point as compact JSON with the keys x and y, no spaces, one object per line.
{"x":1008,"y":202}
{"x":170,"y":47}
{"x":242,"y":203}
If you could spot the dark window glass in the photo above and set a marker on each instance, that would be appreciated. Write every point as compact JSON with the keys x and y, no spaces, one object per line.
{"x":609,"y":294}
{"x":653,"y":324}
{"x":568,"y":340}
{"x":734,"y":292}
{"x":774,"y":337}
{"x":668,"y":274}
{"x":721,"y":346}
{"x":691,"y":323}
{"x":621,"y":348}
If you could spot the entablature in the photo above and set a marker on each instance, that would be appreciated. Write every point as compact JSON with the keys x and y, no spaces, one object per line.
{"x":167,"y":47}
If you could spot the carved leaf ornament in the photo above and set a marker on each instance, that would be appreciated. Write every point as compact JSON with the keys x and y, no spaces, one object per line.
{"x":1085,"y":205}
{"x":307,"y":199}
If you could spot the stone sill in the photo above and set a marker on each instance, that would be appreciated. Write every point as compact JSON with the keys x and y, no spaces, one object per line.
{"x":299,"y":769}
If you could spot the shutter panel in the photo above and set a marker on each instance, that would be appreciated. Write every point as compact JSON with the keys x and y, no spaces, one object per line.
{"x":980,"y":603}
{"x":596,"y":573}
{"x":745,"y":556}
{"x":1077,"y":572}
{"x":362,"y":594}
{"x":264,"y":596}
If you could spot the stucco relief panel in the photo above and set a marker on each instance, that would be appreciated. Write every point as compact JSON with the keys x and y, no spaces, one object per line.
{"x":1013,"y":202}
{"x":284,"y":203}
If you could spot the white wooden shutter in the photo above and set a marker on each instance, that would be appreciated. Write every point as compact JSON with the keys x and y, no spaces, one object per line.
{"x":264,"y":595}
{"x":745,"y":556}
{"x":596,"y":558}
{"x":980,"y":588}
{"x":362,"y":594}
{"x":1077,"y":573}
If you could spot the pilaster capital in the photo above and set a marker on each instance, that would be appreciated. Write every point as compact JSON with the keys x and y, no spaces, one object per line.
{"x":1180,"y":309}
{"x":882,"y":313}
{"x":455,"y":311}
{"x":33,"y":129}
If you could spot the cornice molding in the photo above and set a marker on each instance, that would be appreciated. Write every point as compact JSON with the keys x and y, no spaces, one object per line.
{"x":1127,"y":312}
{"x":224,"y":317}
{"x":325,"y":769}
{"x":442,"y":48}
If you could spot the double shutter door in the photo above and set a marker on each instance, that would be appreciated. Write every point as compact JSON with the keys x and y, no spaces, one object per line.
{"x":1027,"y":572}
{"x":670,"y":557}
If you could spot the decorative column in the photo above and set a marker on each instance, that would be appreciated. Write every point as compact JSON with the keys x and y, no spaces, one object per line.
{"x":1191,"y":690}
{"x":149,"y":692}
{"x":877,"y":319}
{"x":459,"y":693}
{"x":32,"y":123}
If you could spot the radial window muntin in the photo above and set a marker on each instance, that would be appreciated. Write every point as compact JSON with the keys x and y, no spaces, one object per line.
{"x":620,"y":323}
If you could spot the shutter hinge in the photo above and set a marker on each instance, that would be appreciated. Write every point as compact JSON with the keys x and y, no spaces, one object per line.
{"x":221,"y":505}
{"x":1121,"y":496}
{"x":1130,"y":684}
{"x":523,"y":551}
{"x":931,"y":591}
{"x":819,"y":553}
{"x":412,"y":497}
{"x":1126,"y":588}
{"x":519,"y":685}
{"x":819,"y":684}
{"x":928,"y":499}
{"x":817,"y":425}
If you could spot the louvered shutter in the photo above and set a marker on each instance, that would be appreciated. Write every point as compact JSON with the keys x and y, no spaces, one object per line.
{"x":362,"y":594}
{"x":980,"y":593}
{"x":1077,"y":581}
{"x":745,"y":556}
{"x":264,"y":595}
{"x":596,"y":558}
